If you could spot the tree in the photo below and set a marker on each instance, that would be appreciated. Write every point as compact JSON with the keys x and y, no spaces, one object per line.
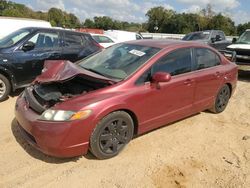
{"x":103,"y":22}
{"x":157,"y":18}
{"x":222,"y":23}
{"x":242,"y":27}
{"x":56,"y":17}
{"x":88,"y":23}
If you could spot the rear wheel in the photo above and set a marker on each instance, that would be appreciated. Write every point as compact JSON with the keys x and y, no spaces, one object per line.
{"x":222,"y":99}
{"x":4,"y":87}
{"x":111,"y":135}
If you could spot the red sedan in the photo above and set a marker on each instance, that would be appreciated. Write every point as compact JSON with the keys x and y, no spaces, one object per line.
{"x":101,"y":102}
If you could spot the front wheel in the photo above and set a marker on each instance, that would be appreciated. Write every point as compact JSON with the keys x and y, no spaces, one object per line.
{"x":4,"y":87}
{"x":222,"y":99}
{"x":111,"y":135}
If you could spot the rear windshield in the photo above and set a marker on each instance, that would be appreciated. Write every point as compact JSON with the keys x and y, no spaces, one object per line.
{"x":14,"y":38}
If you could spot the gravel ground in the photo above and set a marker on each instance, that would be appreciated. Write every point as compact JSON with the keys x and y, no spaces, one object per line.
{"x":205,"y":150}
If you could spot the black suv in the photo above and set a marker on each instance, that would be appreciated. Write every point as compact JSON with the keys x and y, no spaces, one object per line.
{"x":22,"y":54}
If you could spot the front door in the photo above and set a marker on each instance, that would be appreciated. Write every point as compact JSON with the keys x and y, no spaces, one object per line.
{"x":162,"y":103}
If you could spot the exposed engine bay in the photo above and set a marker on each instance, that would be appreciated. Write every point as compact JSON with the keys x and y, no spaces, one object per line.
{"x":41,"y":96}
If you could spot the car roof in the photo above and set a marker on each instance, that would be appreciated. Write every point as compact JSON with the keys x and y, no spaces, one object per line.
{"x":166,"y":43}
{"x":204,"y":31}
{"x":53,"y":29}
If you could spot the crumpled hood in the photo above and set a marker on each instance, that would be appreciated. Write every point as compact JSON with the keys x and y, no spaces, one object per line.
{"x":61,"y":70}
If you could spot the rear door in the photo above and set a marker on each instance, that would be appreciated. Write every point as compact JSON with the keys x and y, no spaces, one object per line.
{"x":77,"y":46}
{"x":72,"y":46}
{"x":208,"y":77}
{"x":29,"y":64}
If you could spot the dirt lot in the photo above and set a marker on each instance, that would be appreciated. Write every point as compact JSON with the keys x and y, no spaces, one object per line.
{"x":205,"y":150}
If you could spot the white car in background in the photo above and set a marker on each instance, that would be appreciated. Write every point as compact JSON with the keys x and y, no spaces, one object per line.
{"x":9,"y":24}
{"x":123,"y":36}
{"x":104,"y":40}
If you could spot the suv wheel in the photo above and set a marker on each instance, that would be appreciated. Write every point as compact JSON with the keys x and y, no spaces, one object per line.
{"x":4,"y":88}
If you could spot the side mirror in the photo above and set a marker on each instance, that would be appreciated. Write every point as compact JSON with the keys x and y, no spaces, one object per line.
{"x":234,"y":40}
{"x":217,"y":38}
{"x":28,"y":46}
{"x":161,"y":77}
{"x":213,"y":40}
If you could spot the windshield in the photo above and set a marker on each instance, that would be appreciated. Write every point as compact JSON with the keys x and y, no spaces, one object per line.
{"x":244,"y":38}
{"x":13,"y":38}
{"x":197,"y":36}
{"x":119,"y":61}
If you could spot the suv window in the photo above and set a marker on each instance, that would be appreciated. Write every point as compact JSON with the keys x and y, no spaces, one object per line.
{"x":206,"y":58}
{"x":177,"y":62}
{"x":222,"y":35}
{"x":45,"y":40}
{"x":73,"y":40}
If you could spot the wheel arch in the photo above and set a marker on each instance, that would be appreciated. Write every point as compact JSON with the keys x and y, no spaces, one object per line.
{"x":134,"y":118}
{"x":230,"y":87}
{"x":127,"y":110}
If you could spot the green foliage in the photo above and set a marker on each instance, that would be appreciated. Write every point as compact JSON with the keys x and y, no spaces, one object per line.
{"x":160,"y":19}
{"x":168,"y":21}
{"x":57,"y":17}
{"x":242,"y":27}
{"x":222,"y":23}
{"x":106,"y":23}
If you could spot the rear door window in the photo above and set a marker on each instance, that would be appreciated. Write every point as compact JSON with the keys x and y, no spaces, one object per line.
{"x":175,"y":63}
{"x":72,"y":40}
{"x":222,"y":35}
{"x":206,"y":58}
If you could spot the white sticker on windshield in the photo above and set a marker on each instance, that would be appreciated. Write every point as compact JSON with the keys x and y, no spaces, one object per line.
{"x":206,"y":33}
{"x":137,"y":52}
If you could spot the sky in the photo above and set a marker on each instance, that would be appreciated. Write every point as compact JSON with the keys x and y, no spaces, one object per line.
{"x":135,"y":10}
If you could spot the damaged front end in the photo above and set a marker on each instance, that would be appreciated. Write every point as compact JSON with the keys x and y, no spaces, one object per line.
{"x":59,"y":83}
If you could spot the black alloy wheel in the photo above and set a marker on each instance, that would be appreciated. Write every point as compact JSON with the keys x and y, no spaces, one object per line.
{"x":111,"y":135}
{"x":222,"y":99}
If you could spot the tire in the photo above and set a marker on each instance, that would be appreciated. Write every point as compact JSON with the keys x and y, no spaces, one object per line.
{"x":111,"y":135}
{"x":221,"y":100}
{"x":4,"y":88}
